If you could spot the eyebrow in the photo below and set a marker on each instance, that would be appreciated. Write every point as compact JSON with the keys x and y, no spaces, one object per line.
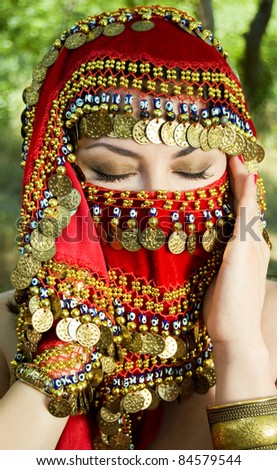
{"x":129,"y":153}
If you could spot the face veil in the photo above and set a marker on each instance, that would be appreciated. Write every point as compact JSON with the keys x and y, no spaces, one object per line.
{"x":110,"y":283}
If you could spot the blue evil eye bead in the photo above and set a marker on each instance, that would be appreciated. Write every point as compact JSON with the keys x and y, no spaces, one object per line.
{"x":165,"y":325}
{"x":128,"y":99}
{"x":116,"y":212}
{"x":169,"y":371}
{"x":47,"y":194}
{"x":116,"y":330}
{"x":88,"y":367}
{"x":72,"y":303}
{"x":120,"y":310}
{"x":133,"y":213}
{"x":169,"y":106}
{"x":216,"y":111}
{"x":74,"y":29}
{"x":27,"y":238}
{"x":199,"y":361}
{"x":206,"y":354}
{"x":157,"y":103}
{"x":102,"y":315}
{"x":168,"y":17}
{"x":61,"y":161}
{"x":94,"y":356}
{"x":81,"y":376}
{"x":149,"y":376}
{"x":43,"y":293}
{"x":141,"y":379}
{"x":116,"y":98}
{"x":18,"y":357}
{"x":84,"y":308}
{"x":131,"y":316}
{"x":57,"y":384}
{"x":264,"y":223}
{"x":190,"y":218}
{"x":153,"y":212}
{"x":142,"y":319}
{"x":154,"y":321}
{"x":175,"y":217}
{"x":183,"y":108}
{"x":116,"y":382}
{"x":79,"y":102}
{"x":39,"y":214}
{"x":207,"y":214}
{"x":34,"y":281}
{"x":205,"y":113}
{"x":109,"y":323}
{"x":96,"y":210}
{"x":33,"y":224}
{"x":21,"y":251}
{"x":68,"y":114}
{"x":218,"y":213}
{"x":193,"y":108}
{"x":184,"y":22}
{"x":188,"y":366}
{"x":88,"y":98}
{"x":177,"y":324}
{"x":25,"y":155}
{"x":129,"y":16}
{"x":105,"y":98}
{"x":143,"y":104}
{"x":43,"y":203}
{"x":92,"y":311}
{"x":91,"y":23}
{"x":65,"y":150}
{"x":73,"y":107}
{"x":111,"y":19}
{"x":184,"y":321}
{"x":73,"y":379}
{"x":96,"y":99}
{"x":117,"y":303}
{"x":227,"y":208}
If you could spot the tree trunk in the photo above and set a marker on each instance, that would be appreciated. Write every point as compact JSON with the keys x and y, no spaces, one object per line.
{"x":205,"y":14}
{"x":252,"y":62}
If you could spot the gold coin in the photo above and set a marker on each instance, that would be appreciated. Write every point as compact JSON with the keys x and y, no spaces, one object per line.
{"x":120,"y":441}
{"x":32,"y":347}
{"x":159,"y":344}
{"x":267,"y":238}
{"x":108,"y":416}
{"x":41,"y":242}
{"x":98,"y":444}
{"x":191,"y":243}
{"x":167,"y":133}
{"x":153,"y":130}
{"x":62,"y":329}
{"x":139,"y":132}
{"x":34,"y":304}
{"x":130,"y":239}
{"x":20,"y":281}
{"x":97,"y":377}
{"x":50,"y":57}
{"x":113,"y":405}
{"x":60,"y":408}
{"x":88,"y":335}
{"x":181,"y":348}
{"x":44,"y":255}
{"x":204,"y":140}
{"x":75,"y":40}
{"x":56,"y":306}
{"x":133,"y":402}
{"x":30,"y":96}
{"x":237,"y":147}
{"x":96,"y":125}
{"x":168,"y":391}
{"x":108,"y":364}
{"x":141,"y":26}
{"x":215,"y":137}
{"x":148,"y":343}
{"x":152,"y":238}
{"x":39,"y":73}
{"x":180,"y":135}
{"x":260,"y":153}
{"x":135,"y":344}
{"x":42,"y":320}
{"x":73,"y":325}
{"x":123,"y":126}
{"x":59,"y":185}
{"x":193,"y":135}
{"x":229,"y":136}
{"x":177,"y":242}
{"x":187,"y":387}
{"x":209,"y":373}
{"x":209,"y":240}
{"x":155,"y":400}
{"x":106,"y":427}
{"x":249,"y":152}
{"x":106,"y":338}
{"x":201,"y":384}
{"x":71,"y":201}
{"x":170,"y":348}
{"x":147,"y":397}
{"x":50,"y":227}
{"x":94,"y":33}
{"x":33,"y":335}
{"x":113,"y":29}
{"x":126,"y":334}
{"x":28,"y":266}
{"x":62,"y":215}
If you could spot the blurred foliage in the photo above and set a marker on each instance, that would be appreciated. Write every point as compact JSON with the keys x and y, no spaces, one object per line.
{"x":27,"y":30}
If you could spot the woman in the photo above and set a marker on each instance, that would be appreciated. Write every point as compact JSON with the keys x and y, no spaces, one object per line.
{"x":135,"y":314}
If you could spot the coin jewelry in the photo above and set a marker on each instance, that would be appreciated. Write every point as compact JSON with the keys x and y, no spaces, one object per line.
{"x":177,"y":240}
{"x":130,"y":236}
{"x":152,"y":237}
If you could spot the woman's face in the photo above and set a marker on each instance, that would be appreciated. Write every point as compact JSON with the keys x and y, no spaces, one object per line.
{"x":126,"y":165}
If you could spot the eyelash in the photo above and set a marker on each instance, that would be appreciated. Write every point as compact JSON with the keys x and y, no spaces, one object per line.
{"x":106,"y":178}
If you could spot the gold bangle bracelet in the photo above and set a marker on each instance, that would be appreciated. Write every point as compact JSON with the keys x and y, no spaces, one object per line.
{"x":31,"y":375}
{"x":244,"y":425}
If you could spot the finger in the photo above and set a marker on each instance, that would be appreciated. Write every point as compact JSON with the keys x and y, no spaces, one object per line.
{"x":237,"y":174}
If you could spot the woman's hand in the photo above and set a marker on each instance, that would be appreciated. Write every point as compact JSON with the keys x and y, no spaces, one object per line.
{"x":234,"y":302}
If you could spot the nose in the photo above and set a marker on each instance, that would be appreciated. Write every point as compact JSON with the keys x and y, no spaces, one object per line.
{"x":155,"y":172}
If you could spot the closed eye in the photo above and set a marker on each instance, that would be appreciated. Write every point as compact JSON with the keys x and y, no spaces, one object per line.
{"x":194,"y":176}
{"x":110,"y":178}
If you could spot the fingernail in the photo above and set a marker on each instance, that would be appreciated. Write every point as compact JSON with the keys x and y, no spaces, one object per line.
{"x":240,"y":157}
{"x":256,"y":176}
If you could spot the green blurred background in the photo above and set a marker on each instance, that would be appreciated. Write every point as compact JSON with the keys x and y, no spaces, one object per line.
{"x":27,"y":29}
